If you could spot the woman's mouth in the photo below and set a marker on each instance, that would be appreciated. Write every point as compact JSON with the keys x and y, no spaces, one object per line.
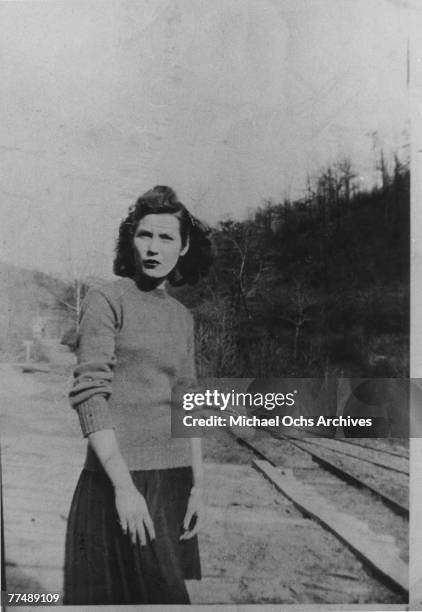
{"x":151,"y":263}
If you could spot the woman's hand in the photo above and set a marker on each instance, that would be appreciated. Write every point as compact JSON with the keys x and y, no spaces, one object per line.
{"x":194,"y":511}
{"x":133,"y":513}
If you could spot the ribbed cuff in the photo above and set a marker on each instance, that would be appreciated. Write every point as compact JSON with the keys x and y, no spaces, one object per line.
{"x":94,"y":414}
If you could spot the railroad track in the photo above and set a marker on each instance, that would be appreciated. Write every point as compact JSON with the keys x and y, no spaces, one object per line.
{"x":374,"y":444}
{"x":395,"y":463}
{"x":389,"y":482}
{"x":363,"y":501}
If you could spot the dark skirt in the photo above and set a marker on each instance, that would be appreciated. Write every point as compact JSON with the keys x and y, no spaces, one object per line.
{"x":102,"y":566}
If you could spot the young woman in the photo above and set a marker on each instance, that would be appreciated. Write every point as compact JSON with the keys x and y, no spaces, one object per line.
{"x":131,"y":535}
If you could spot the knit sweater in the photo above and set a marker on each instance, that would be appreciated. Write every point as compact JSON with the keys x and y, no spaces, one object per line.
{"x":133,"y":346}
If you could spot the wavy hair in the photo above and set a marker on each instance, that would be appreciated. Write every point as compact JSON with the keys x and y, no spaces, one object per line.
{"x":159,"y":200}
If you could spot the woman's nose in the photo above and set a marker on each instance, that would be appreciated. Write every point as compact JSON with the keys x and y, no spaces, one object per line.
{"x":153,"y":246}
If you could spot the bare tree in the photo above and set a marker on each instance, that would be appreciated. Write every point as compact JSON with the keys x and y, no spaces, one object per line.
{"x":241,"y":246}
{"x":298,"y":310}
{"x":346,"y":178}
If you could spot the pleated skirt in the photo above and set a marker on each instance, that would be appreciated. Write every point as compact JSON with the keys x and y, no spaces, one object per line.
{"x":103,"y":566}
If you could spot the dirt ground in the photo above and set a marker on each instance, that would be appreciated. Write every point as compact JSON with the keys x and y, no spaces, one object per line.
{"x":255,"y":546}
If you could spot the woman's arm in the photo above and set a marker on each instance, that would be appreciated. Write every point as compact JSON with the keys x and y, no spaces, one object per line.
{"x":131,"y":507}
{"x":195,"y":509}
{"x":95,"y":351}
{"x":89,"y":396}
{"x":105,"y":446}
{"x":197,"y":465}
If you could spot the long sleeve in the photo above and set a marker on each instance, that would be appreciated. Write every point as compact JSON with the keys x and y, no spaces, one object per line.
{"x":186,"y":380}
{"x":188,"y":368}
{"x":96,"y":359}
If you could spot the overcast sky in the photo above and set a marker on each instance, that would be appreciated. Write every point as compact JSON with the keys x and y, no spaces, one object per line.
{"x":230,"y":102}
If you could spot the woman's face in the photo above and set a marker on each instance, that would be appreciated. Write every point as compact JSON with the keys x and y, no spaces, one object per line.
{"x":158,"y":245}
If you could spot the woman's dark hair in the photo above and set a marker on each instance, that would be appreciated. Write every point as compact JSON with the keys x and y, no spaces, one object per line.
{"x":159,"y":200}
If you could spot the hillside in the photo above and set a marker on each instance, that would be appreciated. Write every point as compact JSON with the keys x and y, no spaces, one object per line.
{"x":28,"y":298}
{"x":313,"y":286}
